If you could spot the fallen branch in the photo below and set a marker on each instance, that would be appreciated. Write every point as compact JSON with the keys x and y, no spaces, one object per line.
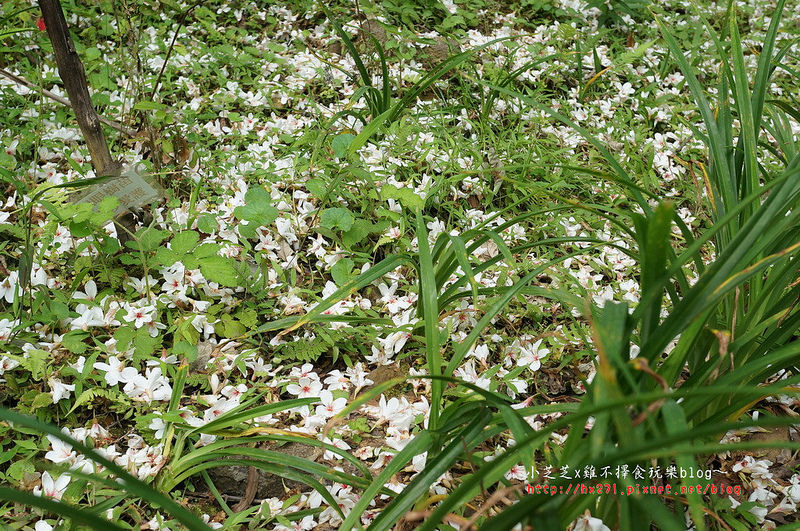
{"x":498,"y":496}
{"x":64,"y":101}
{"x":416,"y":516}
{"x":250,"y":490}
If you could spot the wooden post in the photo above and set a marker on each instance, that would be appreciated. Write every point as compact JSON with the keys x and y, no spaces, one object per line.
{"x":72,"y":74}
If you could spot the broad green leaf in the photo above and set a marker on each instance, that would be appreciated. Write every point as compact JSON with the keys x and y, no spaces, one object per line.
{"x":406,"y":196}
{"x":18,"y":469}
{"x":219,"y":269}
{"x":148,"y":239}
{"x":185,"y":350}
{"x":361,"y":229}
{"x":185,"y":241}
{"x":337,"y":218}
{"x":144,"y":344}
{"x":257,"y":211}
{"x":206,"y":249}
{"x":207,"y":223}
{"x":166,"y":257}
{"x":341,"y":271}
{"x":230,"y":327}
{"x":73,"y":341}
{"x":340,"y":144}
{"x":42,"y":400}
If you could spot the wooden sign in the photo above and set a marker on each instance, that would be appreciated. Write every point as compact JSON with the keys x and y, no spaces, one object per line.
{"x":131,"y":187}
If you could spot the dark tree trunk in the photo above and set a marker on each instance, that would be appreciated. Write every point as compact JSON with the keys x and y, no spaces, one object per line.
{"x":72,"y":74}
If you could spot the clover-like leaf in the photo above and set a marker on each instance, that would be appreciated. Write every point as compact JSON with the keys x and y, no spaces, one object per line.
{"x":257,"y":208}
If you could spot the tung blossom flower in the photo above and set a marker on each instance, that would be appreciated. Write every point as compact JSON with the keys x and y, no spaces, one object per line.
{"x":394,"y":342}
{"x":337,"y":381}
{"x":358,"y":377}
{"x":158,"y":426}
{"x":87,"y":318}
{"x":468,"y":373}
{"x":152,"y":386}
{"x":396,"y":411}
{"x":306,"y":371}
{"x":305,"y":387}
{"x":479,"y":352}
{"x":116,"y":372}
{"x":90,"y":292}
{"x":6,"y":327}
{"x":140,"y":316}
{"x":530,"y":355}
{"x":758,"y":468}
{"x":586,"y":522}
{"x":8,"y":287}
{"x":394,"y":303}
{"x":52,"y":488}
{"x":60,"y":390}
{"x":61,"y":452}
{"x":330,"y":406}
{"x":337,"y":443}
{"x":517,"y":472}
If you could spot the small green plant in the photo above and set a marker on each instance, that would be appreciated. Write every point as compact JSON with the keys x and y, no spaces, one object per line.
{"x":383,"y":108}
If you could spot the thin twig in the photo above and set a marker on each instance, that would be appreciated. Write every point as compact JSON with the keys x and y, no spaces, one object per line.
{"x":706,"y":510}
{"x":64,"y":101}
{"x":497,"y":496}
{"x":181,"y":21}
{"x":250,"y":490}
{"x":416,"y":516}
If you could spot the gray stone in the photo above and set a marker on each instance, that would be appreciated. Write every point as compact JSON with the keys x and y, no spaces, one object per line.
{"x":204,"y":350}
{"x":232,"y":480}
{"x":371,"y":28}
{"x":441,"y":50}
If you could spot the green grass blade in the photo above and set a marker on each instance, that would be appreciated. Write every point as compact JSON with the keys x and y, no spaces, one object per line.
{"x":744,"y":105}
{"x":653,"y":264}
{"x":460,"y":251}
{"x":430,"y":313}
{"x":348,"y":43}
{"x":765,"y":67}
{"x":235,"y":417}
{"x":716,"y":145}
